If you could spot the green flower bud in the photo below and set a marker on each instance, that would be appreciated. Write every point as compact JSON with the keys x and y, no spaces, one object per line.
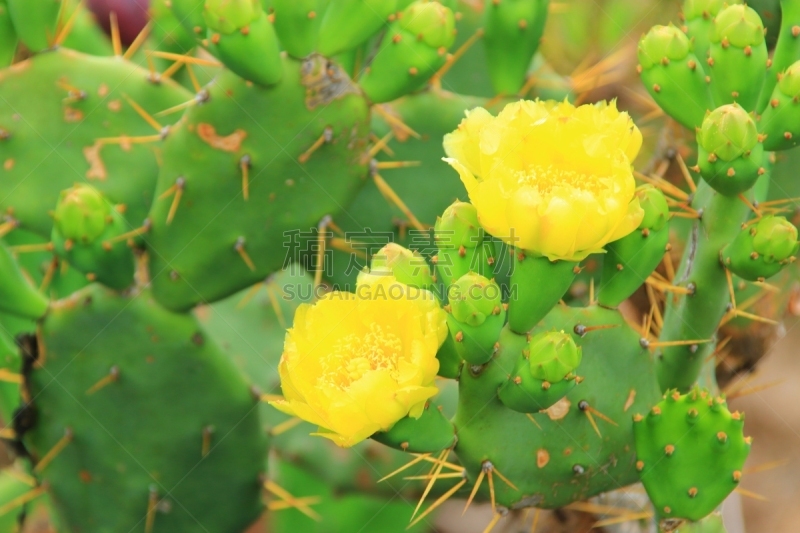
{"x":553,"y":355}
{"x":775,"y":239}
{"x":728,"y":132}
{"x":663,"y":42}
{"x":229,"y":16}
{"x":762,"y":250}
{"x":693,"y":9}
{"x":656,"y":210}
{"x":739,"y":25}
{"x":433,"y":23}
{"x":789,"y":83}
{"x":81,"y":214}
{"x":458,"y":226}
{"x":473,"y":299}
{"x":408,"y":267}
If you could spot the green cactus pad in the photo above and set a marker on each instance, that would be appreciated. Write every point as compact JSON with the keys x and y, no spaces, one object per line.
{"x":737,"y":60}
{"x":558,"y":457}
{"x":348,"y":23}
{"x":193,"y":424}
{"x":429,"y":433}
{"x":190,"y":15}
{"x":207,"y":250}
{"x":513,"y":29}
{"x":297,"y":24}
{"x":35,"y":21}
{"x":630,"y":260}
{"x":252,"y":51}
{"x":17,"y":296}
{"x":674,"y":76}
{"x":761,"y":250}
{"x":690,"y":451}
{"x":537,"y":284}
{"x":780,"y":121}
{"x":54,"y":108}
{"x":8,"y":36}
{"x":413,"y":49}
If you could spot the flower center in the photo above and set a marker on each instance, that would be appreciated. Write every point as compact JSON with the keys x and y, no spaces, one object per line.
{"x":546,"y":178}
{"x":356,"y":355}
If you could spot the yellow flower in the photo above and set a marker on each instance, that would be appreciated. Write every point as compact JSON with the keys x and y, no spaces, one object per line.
{"x":354,"y":364}
{"x":549,"y":177}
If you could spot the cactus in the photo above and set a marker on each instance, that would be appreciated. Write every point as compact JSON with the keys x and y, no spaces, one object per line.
{"x":235,"y":259}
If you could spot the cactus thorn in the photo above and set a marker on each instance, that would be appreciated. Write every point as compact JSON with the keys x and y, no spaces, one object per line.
{"x":54,"y":451}
{"x":291,"y":501}
{"x":239,"y":248}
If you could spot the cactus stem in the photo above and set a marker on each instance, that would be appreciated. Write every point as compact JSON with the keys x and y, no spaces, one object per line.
{"x":395,"y":122}
{"x":291,"y":501}
{"x":631,"y":517}
{"x":443,"y":498}
{"x":7,"y":376}
{"x":436,"y":79}
{"x":138,"y":41}
{"x":435,"y":471}
{"x":144,"y":114}
{"x":239,"y":248}
{"x":285,"y":426}
{"x":150,"y":516}
{"x":54,"y":451}
{"x":64,"y":30}
{"x":19,"y":501}
{"x":116,"y":42}
{"x":388,"y":193}
{"x":112,"y":377}
{"x":326,"y":137}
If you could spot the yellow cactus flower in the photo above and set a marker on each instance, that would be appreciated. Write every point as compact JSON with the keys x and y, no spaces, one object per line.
{"x":549,"y":177}
{"x":354,"y":364}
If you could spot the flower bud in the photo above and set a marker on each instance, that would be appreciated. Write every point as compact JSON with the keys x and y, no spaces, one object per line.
{"x":553,"y":356}
{"x":763,"y":249}
{"x":229,"y":16}
{"x":780,"y":121}
{"x":740,"y":25}
{"x":408,"y":267}
{"x":706,"y":9}
{"x":663,"y":42}
{"x":81,"y":214}
{"x":654,"y":205}
{"x":432,"y":23}
{"x":474,"y":298}
{"x":458,"y":226}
